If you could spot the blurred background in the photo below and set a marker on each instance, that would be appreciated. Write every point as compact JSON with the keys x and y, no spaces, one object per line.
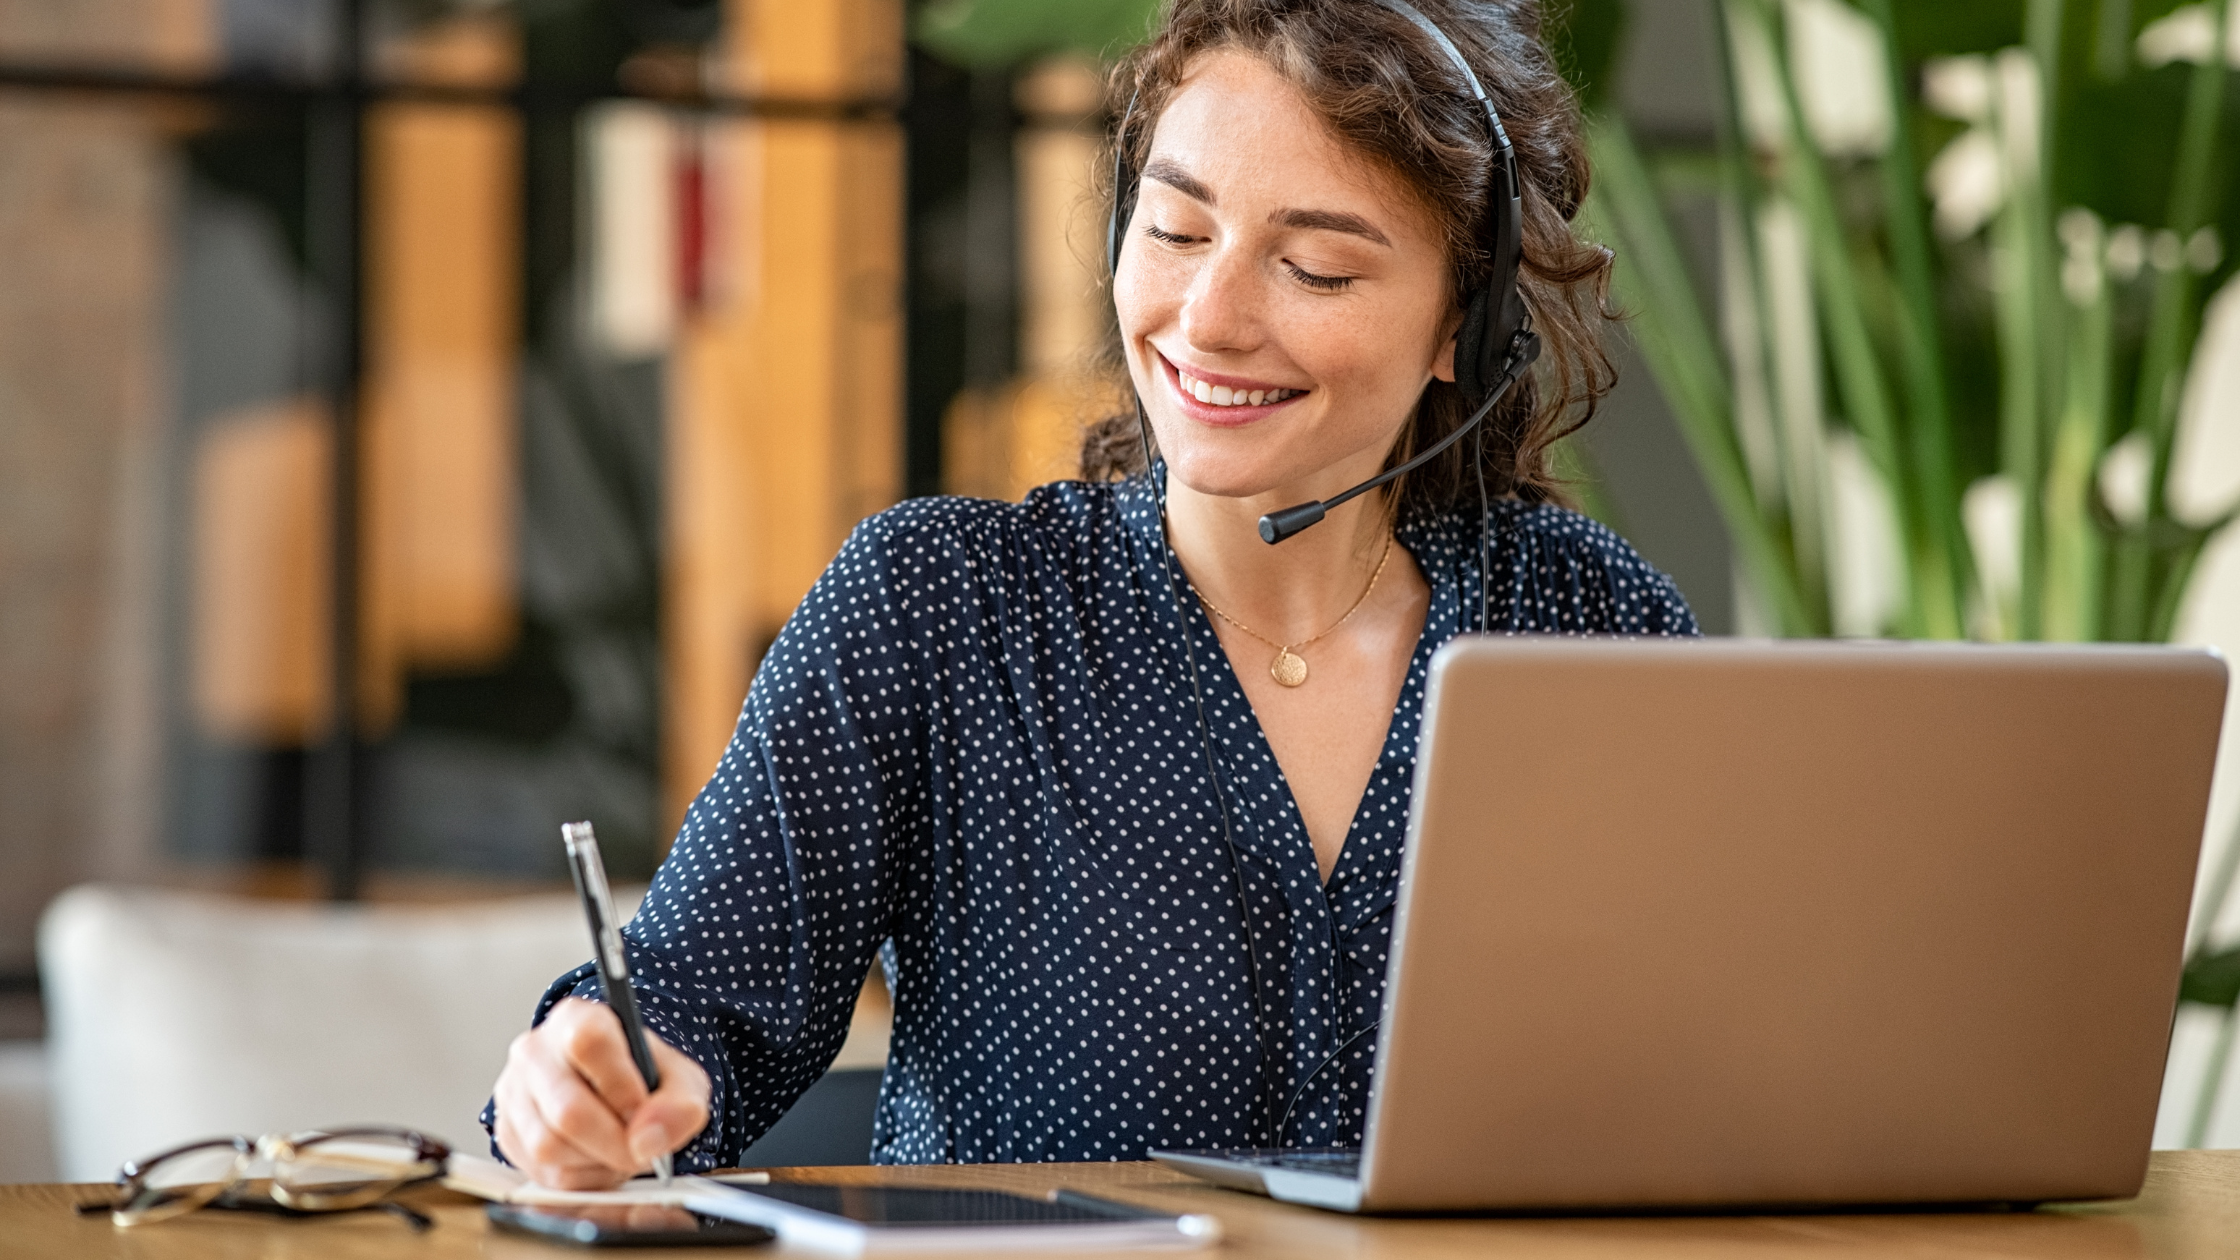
{"x":417,"y":417}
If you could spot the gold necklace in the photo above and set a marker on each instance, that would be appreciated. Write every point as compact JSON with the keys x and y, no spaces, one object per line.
{"x":1288,"y":668}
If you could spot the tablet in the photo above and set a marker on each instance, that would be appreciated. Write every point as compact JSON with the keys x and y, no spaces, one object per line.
{"x":627,"y":1225}
{"x":854,"y":1219}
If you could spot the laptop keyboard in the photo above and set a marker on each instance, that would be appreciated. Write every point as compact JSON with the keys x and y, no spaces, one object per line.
{"x":1328,"y":1160}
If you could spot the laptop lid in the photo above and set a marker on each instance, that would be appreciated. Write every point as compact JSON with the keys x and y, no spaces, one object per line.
{"x":1727,"y":922}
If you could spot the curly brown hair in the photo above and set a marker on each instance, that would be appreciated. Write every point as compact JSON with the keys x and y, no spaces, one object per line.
{"x":1386,"y":90}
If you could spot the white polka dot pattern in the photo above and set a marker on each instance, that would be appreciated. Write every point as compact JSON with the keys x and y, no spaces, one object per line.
{"x":973,"y":754}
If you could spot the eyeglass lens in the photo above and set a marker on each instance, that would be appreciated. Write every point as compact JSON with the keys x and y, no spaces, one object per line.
{"x":182,"y":1180}
{"x":349,"y":1168}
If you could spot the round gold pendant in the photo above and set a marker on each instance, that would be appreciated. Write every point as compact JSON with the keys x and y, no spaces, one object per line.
{"x":1288,"y":668}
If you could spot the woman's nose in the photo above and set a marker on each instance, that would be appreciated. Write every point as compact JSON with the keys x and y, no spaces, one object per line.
{"x":1221,"y":310}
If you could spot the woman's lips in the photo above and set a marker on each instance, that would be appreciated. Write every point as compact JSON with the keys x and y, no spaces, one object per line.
{"x":1239,"y":407}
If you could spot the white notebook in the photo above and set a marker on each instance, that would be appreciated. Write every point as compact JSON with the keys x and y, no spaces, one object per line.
{"x":486,"y":1178}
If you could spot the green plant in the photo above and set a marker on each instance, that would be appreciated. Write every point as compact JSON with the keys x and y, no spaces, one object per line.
{"x":1996,"y":376}
{"x":1991,"y":363}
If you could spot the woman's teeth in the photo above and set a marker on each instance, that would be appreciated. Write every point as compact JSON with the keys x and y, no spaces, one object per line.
{"x":1223,"y":396}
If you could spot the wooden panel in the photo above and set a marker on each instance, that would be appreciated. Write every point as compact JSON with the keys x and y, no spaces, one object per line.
{"x":795,"y":346}
{"x":867,"y":361}
{"x":1061,"y":220}
{"x":442,"y":337}
{"x":785,"y":428}
{"x":262,"y":507}
{"x":710,"y":562}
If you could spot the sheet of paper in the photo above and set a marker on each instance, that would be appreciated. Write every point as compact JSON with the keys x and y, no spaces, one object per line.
{"x":486,"y":1178}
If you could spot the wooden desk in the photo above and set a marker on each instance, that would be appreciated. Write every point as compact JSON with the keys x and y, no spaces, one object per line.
{"x":2191,"y":1208}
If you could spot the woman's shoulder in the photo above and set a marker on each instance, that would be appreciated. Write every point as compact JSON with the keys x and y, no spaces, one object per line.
{"x":941,"y":568}
{"x":1553,"y":528}
{"x":1060,"y":518}
{"x":1568,"y":567}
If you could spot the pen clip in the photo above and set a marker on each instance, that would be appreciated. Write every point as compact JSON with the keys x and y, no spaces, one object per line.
{"x":591,"y":878}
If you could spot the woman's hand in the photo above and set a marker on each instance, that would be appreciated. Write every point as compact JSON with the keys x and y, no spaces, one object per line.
{"x":573,"y":1112}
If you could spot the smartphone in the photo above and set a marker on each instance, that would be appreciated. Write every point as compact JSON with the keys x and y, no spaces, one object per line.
{"x":627,"y":1225}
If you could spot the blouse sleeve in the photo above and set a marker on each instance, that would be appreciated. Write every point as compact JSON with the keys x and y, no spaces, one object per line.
{"x":752,"y":945}
{"x":1568,"y":574}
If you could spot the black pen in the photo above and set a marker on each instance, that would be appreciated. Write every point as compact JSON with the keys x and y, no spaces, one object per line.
{"x":607,"y":956}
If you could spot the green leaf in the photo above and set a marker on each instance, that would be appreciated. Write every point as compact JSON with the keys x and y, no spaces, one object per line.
{"x":2177,"y":306}
{"x":1675,"y":339}
{"x":1585,"y":37}
{"x":1941,"y":27}
{"x":1920,"y":334}
{"x":993,"y":34}
{"x":2212,"y":979}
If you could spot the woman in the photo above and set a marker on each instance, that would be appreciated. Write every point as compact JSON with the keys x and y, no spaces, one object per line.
{"x":1128,"y":849}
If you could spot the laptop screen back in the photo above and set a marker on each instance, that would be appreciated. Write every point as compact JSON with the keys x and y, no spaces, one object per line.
{"x":1734,"y":923}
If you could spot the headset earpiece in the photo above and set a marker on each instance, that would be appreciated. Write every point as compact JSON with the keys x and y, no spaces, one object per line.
{"x":1493,"y":316}
{"x":1123,"y":189}
{"x":1474,"y":371}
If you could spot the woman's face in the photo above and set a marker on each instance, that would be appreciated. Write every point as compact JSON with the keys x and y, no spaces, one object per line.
{"x":1283,"y":302}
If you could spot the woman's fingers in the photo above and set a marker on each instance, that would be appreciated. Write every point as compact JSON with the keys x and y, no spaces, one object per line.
{"x":560,"y":1167}
{"x":573,"y":1110}
{"x":578,"y":1113}
{"x":589,"y":1036}
{"x":528,"y":1136}
{"x":675,"y":1113}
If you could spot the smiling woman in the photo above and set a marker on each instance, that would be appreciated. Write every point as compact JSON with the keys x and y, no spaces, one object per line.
{"x":1126,"y":897}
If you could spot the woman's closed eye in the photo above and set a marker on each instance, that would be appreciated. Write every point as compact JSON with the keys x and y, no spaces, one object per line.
{"x":1327,"y":284}
{"x":1313,"y":280}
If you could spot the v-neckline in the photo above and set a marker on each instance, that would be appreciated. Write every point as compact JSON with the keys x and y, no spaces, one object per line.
{"x":1294,"y":844}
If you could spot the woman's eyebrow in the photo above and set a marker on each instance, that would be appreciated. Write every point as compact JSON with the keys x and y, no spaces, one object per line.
{"x":1330,"y":221}
{"x":1169,"y":172}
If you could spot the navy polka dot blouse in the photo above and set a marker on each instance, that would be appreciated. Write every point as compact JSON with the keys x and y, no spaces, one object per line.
{"x":973,"y":755}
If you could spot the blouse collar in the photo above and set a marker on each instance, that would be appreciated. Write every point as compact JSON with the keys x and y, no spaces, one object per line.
{"x":1443,"y":545}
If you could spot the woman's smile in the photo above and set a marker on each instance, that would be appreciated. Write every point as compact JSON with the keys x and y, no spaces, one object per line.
{"x":1220,"y":398}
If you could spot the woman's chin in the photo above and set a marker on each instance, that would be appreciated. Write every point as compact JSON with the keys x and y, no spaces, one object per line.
{"x":1225,"y":477}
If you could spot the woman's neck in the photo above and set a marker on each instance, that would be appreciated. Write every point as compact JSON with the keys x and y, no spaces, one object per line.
{"x":1288,"y":592}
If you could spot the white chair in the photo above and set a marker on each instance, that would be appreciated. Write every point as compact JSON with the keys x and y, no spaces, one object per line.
{"x":177,"y":1015}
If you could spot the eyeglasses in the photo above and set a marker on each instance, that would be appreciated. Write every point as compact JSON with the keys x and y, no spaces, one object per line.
{"x":337,"y":1170}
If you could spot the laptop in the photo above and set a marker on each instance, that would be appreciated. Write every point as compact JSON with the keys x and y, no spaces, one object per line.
{"x":1723,"y":924}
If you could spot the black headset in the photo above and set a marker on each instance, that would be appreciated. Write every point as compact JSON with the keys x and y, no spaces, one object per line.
{"x":1493,"y":348}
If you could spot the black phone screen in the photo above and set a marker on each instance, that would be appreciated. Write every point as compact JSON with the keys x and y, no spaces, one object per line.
{"x":627,"y":1225}
{"x":908,"y":1207}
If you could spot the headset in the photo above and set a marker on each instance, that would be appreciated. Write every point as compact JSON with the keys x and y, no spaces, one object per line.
{"x":1493,"y":347}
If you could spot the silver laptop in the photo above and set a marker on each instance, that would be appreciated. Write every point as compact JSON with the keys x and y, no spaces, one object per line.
{"x":1725,"y":923}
